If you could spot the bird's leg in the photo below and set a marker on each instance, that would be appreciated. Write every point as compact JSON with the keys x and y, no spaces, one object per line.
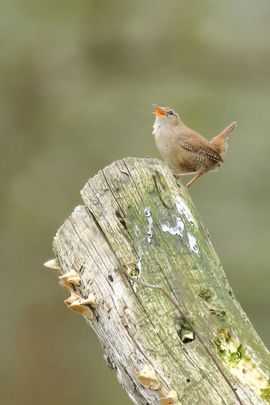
{"x":194,"y":178}
{"x":176,"y":175}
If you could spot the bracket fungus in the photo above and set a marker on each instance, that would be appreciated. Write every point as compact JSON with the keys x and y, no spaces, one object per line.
{"x":82,"y":305}
{"x":52,"y":264}
{"x":170,"y":399}
{"x":72,"y":298}
{"x":148,"y":378}
{"x":69,"y":279}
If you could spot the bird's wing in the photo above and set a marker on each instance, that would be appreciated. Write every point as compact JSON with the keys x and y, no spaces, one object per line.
{"x":200,"y":148}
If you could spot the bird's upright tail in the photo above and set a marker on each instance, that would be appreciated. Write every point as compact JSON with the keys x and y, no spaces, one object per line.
{"x":219,"y":142}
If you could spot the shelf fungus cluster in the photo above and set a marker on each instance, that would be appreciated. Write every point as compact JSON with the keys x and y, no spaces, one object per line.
{"x":74,"y":302}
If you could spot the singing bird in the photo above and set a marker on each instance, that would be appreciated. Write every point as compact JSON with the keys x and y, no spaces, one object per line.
{"x":186,"y":151}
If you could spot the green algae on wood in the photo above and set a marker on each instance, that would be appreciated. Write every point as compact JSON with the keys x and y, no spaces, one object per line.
{"x":242,"y":363}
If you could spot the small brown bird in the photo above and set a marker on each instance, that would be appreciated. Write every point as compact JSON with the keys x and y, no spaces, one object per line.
{"x":186,"y":151}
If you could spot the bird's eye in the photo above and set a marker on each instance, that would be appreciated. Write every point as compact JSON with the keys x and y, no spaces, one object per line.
{"x":170,"y":112}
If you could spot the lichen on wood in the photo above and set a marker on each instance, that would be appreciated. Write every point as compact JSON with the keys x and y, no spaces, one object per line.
{"x":138,"y":228}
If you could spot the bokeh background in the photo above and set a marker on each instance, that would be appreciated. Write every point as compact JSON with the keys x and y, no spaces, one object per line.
{"x":77,"y":80}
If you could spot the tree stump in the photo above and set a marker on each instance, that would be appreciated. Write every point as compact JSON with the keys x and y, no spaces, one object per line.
{"x":141,"y":269}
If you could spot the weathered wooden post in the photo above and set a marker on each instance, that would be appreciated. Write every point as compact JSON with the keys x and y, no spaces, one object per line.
{"x":140,"y":267}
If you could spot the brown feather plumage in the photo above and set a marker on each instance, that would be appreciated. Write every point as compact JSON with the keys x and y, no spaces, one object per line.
{"x":185,"y":150}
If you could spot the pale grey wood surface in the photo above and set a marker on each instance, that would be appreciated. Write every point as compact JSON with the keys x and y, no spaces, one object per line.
{"x":192,"y":339}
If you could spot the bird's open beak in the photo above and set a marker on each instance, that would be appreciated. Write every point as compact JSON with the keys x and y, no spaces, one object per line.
{"x":159,"y":111}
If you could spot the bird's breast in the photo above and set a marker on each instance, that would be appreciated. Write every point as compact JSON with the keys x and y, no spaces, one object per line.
{"x":169,"y":148}
{"x":180,"y":159}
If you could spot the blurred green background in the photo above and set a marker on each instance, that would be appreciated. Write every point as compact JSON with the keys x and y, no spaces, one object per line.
{"x":77,"y":82}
